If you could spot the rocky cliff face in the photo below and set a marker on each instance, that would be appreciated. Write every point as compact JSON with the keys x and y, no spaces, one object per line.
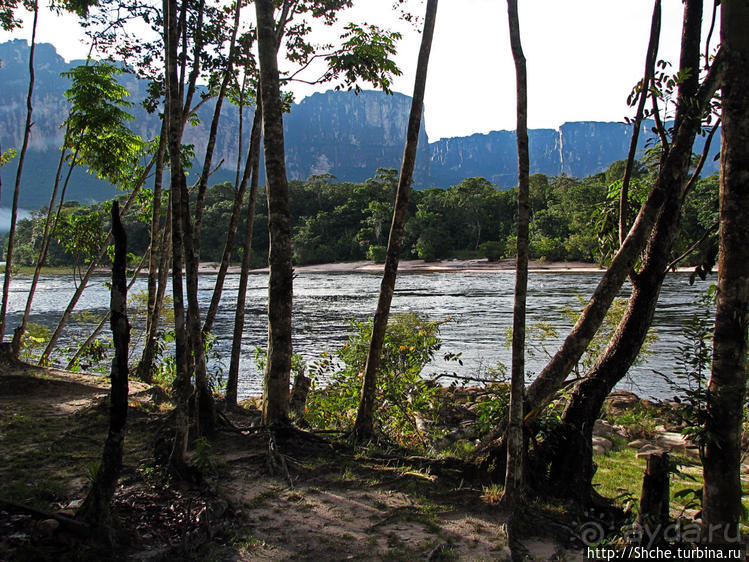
{"x":338,"y":133}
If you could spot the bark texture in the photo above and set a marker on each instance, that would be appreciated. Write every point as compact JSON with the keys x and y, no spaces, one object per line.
{"x":19,"y":173}
{"x":514,"y":476}
{"x":96,"y":507}
{"x":253,"y":163}
{"x":182,"y":385}
{"x":280,"y":278}
{"x":722,"y":492}
{"x":364,"y":426}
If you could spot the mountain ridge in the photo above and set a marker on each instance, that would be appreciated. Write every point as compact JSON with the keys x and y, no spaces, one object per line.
{"x":338,"y":133}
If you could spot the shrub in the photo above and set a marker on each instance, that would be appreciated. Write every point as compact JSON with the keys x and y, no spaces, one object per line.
{"x":377,"y":254}
{"x":491,"y":250}
{"x":402,"y":394}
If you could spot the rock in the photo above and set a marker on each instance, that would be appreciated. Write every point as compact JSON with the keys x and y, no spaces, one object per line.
{"x":602,"y":442}
{"x":48,"y":527}
{"x":637,"y":443}
{"x":622,"y":400}
{"x":604,"y":428}
{"x":672,"y":441}
{"x":599,"y":450}
{"x":648,"y":450}
{"x":74,"y":504}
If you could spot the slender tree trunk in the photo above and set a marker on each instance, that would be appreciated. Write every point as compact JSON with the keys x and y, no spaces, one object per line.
{"x":280,"y":279}
{"x":207,"y":162}
{"x":90,"y":271}
{"x":50,"y":226}
{"x":145,"y":365}
{"x":650,"y":59}
{"x":514,"y":476}
{"x":156,"y":247}
{"x":231,"y":234}
{"x":364,"y":426}
{"x":721,"y":506}
{"x":182,"y":382}
{"x":253,"y":162}
{"x":19,"y":173}
{"x":96,"y":507}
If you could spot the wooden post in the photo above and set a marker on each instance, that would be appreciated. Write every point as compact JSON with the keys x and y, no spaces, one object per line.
{"x":654,"y":502}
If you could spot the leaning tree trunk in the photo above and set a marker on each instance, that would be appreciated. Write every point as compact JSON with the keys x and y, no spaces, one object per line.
{"x":721,"y":505}
{"x":489,"y":456}
{"x":514,"y":476}
{"x":231,"y":234}
{"x":96,"y":507}
{"x":90,"y":271}
{"x":650,"y":58}
{"x":19,"y":173}
{"x":253,"y":162}
{"x":280,"y":279}
{"x":364,"y":426}
{"x":213,"y":132}
{"x":572,"y":439}
{"x":153,"y":262}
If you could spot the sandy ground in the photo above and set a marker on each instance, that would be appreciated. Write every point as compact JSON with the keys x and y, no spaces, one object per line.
{"x":420,"y":266}
{"x":333,"y":504}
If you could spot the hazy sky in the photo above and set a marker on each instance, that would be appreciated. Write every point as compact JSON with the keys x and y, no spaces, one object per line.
{"x":583,"y":58}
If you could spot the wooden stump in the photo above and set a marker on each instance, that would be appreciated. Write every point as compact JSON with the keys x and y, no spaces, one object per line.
{"x":654,"y":502}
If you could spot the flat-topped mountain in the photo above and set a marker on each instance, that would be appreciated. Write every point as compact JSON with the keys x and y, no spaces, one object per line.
{"x":338,"y":133}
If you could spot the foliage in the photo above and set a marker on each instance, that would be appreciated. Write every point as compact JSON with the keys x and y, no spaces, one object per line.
{"x":34,"y":340}
{"x":692,"y":369}
{"x":337,"y":222}
{"x":491,"y":250}
{"x":7,"y":156}
{"x":402,"y":397}
{"x":377,"y":254}
{"x":97,"y":134}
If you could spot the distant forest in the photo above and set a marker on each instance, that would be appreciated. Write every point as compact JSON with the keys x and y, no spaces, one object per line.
{"x":573,"y":220}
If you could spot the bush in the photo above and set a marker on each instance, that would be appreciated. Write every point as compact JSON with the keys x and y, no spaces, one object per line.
{"x":402,"y":394}
{"x":491,"y":250}
{"x":377,"y":254}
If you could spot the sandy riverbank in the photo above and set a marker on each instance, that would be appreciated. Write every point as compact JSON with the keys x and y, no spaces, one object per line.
{"x":420,"y":266}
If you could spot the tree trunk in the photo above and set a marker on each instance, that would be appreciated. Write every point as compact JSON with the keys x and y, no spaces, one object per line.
{"x":208,"y":160}
{"x":231,"y":234}
{"x":668,"y":184}
{"x":650,"y":59}
{"x":156,"y":247}
{"x":19,"y":173}
{"x":50,"y":227}
{"x":90,"y":271}
{"x":514,"y":484}
{"x":280,"y":279}
{"x":654,"y":500}
{"x":573,"y":438}
{"x":182,"y":385}
{"x":364,"y":426}
{"x":253,"y":162}
{"x":145,"y":365}
{"x":721,"y":507}
{"x":96,"y":507}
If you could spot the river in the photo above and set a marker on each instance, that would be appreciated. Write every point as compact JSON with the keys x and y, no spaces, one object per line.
{"x":479,"y":306}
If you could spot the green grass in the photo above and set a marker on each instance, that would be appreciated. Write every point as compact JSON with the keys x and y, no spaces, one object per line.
{"x":620,"y":474}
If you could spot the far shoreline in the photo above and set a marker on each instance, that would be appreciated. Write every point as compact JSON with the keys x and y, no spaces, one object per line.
{"x":440,"y":266}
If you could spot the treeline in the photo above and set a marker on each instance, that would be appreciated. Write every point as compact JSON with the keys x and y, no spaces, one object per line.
{"x":572,"y":219}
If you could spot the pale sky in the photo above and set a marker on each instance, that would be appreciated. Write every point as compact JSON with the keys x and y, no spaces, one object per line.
{"x":583,"y":58}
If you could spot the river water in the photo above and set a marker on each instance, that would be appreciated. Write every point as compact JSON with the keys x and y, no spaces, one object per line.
{"x":479,"y":306}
